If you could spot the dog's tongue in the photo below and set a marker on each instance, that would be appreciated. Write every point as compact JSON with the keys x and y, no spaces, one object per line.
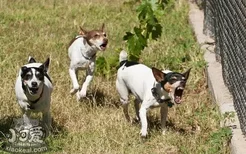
{"x":103,"y":46}
{"x":178,"y":99}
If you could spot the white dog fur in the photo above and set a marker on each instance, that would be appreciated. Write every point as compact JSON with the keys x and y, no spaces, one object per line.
{"x":82,"y":53}
{"x":33,"y":94}
{"x":139,"y":80}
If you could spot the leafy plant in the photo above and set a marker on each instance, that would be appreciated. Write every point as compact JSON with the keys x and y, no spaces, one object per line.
{"x":107,"y":66}
{"x":148,"y":27}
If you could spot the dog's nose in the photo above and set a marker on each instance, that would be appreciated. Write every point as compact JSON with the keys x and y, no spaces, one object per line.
{"x":105,"y":40}
{"x":34,"y":84}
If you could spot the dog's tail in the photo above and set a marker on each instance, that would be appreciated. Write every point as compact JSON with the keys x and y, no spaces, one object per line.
{"x":123,"y":56}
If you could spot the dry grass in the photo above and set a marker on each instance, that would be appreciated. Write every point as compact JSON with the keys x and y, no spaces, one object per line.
{"x":96,"y":125}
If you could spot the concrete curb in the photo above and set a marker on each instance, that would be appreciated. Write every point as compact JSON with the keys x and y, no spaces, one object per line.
{"x":216,"y":85}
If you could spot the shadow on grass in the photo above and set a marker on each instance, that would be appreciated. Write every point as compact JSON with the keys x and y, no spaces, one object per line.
{"x":8,"y":122}
{"x":154,"y":123}
{"x":99,"y":99}
{"x":53,"y":141}
{"x":5,"y":125}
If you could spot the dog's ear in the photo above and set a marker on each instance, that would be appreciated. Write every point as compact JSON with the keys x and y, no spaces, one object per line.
{"x":45,"y":65}
{"x":103,"y":27}
{"x":31,"y":60}
{"x":159,"y":75}
{"x":24,"y":70}
{"x":82,"y":31}
{"x":187,"y":73}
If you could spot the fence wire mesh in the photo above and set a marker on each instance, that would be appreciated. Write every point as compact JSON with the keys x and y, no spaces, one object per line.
{"x":225,"y":21}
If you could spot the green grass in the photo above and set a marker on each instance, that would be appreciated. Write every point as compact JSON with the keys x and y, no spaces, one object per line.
{"x":44,"y":28}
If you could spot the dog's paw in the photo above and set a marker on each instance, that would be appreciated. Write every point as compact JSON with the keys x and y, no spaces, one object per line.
{"x":24,"y":105}
{"x":73,"y":91}
{"x":164,"y":132}
{"x":80,"y":96}
{"x":143,"y":134}
{"x":82,"y":93}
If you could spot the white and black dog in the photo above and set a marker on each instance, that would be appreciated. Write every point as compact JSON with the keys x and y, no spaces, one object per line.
{"x":151,"y":87}
{"x":33,"y":90}
{"x":82,"y":53}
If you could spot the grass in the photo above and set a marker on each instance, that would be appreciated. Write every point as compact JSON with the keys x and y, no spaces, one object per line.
{"x":96,"y":125}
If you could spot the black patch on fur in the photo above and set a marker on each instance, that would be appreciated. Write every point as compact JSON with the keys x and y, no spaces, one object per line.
{"x":32,"y":60}
{"x":48,"y":77}
{"x":128,"y":63}
{"x":168,"y":78}
{"x":43,"y":73}
{"x":24,"y":71}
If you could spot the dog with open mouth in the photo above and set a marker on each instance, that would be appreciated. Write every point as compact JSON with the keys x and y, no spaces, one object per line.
{"x":151,"y":88}
{"x":33,"y":90}
{"x":82,"y":53}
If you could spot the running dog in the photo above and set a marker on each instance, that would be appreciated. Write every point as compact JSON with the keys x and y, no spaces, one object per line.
{"x":151,"y":87}
{"x":33,"y":90}
{"x":82,"y":53}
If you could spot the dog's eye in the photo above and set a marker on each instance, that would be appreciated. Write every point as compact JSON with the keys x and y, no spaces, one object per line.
{"x":39,"y":76}
{"x":104,"y":35}
{"x":172,"y":80}
{"x":27,"y":76}
{"x":96,"y":35}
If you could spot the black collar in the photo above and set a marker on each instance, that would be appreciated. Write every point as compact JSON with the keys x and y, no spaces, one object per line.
{"x":88,"y":58}
{"x":158,"y":98}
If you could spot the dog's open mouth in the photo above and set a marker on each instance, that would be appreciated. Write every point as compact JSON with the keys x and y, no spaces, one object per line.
{"x":33,"y":90}
{"x":178,"y":94}
{"x":103,"y":46}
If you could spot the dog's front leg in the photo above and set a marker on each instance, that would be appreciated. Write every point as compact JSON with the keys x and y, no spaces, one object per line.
{"x":164,"y":111}
{"x":25,"y":106}
{"x":26,"y":118}
{"x":72,"y":73}
{"x":89,"y":77}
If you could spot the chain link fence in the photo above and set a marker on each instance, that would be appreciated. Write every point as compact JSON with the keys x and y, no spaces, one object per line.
{"x":225,"y":21}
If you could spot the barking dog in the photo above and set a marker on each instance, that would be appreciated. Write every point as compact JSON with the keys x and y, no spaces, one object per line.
{"x":33,"y":90}
{"x":151,"y":87}
{"x":82,"y":53}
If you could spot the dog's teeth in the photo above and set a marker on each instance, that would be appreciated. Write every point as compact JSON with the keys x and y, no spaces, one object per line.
{"x":180,"y":88}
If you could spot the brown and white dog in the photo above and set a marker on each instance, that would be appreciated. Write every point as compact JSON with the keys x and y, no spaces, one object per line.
{"x":82,"y":53}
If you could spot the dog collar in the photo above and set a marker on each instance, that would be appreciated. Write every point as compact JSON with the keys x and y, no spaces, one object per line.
{"x":88,"y":58}
{"x":158,"y":98}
